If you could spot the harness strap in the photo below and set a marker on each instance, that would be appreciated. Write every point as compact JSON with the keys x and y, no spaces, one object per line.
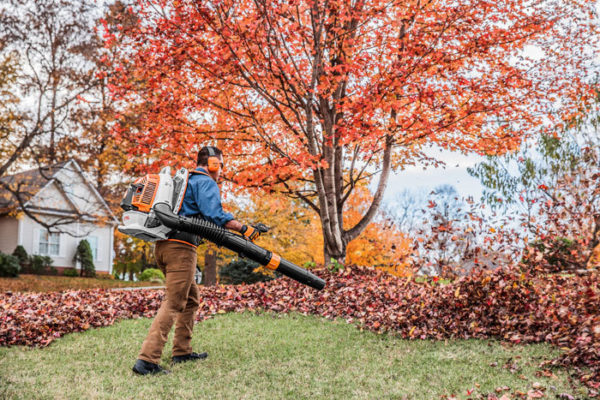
{"x":199,"y":172}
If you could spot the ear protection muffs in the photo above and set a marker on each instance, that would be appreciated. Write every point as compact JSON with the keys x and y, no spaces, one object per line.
{"x":214,"y":164}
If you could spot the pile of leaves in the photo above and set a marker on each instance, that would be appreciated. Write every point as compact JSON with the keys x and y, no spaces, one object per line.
{"x":36,"y":319}
{"x":510,"y":305}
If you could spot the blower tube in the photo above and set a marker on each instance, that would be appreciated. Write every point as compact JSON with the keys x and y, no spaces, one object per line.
{"x":244,"y":247}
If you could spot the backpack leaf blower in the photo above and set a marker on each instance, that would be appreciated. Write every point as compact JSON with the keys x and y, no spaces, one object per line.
{"x":149,"y":206}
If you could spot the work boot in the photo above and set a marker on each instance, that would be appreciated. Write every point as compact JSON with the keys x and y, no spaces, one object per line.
{"x":189,"y":357}
{"x":144,"y":368}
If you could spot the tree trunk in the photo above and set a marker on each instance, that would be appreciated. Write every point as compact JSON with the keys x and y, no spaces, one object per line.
{"x":331,"y":202}
{"x":209,"y":275}
{"x":333,"y":255}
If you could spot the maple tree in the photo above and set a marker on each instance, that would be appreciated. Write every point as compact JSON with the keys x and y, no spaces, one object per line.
{"x":312,"y":98}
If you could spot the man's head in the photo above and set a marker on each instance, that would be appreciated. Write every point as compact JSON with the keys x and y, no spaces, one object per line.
{"x":211,"y":159}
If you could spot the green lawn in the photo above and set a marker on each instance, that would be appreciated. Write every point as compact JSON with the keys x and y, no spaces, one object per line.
{"x":274,"y":356}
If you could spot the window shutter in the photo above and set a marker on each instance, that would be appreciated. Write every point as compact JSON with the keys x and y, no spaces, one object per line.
{"x":99,"y":246}
{"x":36,"y":241}
{"x":61,"y":245}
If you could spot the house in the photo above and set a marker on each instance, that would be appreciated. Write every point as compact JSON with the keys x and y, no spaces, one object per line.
{"x":62,"y":197}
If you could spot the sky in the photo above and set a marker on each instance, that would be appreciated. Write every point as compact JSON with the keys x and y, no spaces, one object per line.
{"x":455,"y":174}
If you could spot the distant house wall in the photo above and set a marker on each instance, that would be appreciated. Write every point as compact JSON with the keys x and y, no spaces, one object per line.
{"x":62,"y":198}
{"x":9,"y":234}
{"x":99,"y":237}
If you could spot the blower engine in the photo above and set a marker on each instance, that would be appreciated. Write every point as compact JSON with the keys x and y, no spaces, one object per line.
{"x":151,"y":205}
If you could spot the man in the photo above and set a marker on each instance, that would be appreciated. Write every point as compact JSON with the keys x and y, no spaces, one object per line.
{"x":177,"y":257}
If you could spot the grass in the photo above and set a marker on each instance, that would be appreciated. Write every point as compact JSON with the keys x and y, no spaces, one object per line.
{"x":49,"y":283}
{"x":273,"y":356}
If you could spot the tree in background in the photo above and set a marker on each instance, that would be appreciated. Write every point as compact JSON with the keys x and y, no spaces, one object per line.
{"x":54,"y":103}
{"x":438,"y":243}
{"x":243,"y":271}
{"x":404,"y":209}
{"x":52,"y":42}
{"x":315,"y":98}
{"x":293,"y":229}
{"x":85,"y":259}
{"x":554,"y":187}
{"x":132,"y":256}
{"x":10,"y":116}
{"x":382,"y":244}
{"x":95,"y":114}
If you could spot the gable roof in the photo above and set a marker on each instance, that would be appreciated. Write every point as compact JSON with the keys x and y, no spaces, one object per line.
{"x":31,"y":182}
{"x":27,"y":184}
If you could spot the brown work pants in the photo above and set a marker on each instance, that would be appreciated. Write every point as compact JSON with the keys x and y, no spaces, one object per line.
{"x":178,"y":261}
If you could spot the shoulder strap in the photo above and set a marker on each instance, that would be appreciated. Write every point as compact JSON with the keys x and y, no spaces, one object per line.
{"x":199,"y":173}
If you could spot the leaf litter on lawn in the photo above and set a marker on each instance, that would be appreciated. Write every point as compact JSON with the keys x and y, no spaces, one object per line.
{"x":506,"y":304}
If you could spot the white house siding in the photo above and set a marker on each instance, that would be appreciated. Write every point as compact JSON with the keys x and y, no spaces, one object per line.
{"x":9,"y":234}
{"x":51,"y":197}
{"x":68,"y":243}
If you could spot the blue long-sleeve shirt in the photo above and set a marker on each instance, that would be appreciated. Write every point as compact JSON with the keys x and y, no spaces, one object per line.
{"x":203,"y":198}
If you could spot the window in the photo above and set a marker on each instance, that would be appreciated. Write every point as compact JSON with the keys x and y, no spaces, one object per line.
{"x":49,"y":243}
{"x":93,"y":241}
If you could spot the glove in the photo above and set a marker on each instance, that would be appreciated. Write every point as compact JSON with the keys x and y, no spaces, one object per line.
{"x":253,"y":231}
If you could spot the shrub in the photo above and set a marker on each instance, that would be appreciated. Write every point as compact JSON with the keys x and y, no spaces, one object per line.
{"x":553,"y":255}
{"x":9,"y":265}
{"x":21,"y":255}
{"x":153,"y":275}
{"x":84,"y":256}
{"x":72,"y":272}
{"x":242,"y":271}
{"x":40,"y":264}
{"x":108,"y":277}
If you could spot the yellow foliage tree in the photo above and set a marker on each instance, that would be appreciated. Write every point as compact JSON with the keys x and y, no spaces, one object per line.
{"x":380,"y":245}
{"x":294,"y":233}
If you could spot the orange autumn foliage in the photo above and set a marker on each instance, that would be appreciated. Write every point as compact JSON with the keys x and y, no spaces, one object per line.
{"x":310,"y":97}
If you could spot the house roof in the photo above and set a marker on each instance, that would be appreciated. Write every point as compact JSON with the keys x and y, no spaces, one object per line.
{"x":29,"y":183}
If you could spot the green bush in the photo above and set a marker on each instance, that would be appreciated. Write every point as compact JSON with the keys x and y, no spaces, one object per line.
{"x":84,"y":256}
{"x":40,"y":264}
{"x":152,"y":274}
{"x":21,"y":255}
{"x":72,"y":272}
{"x":242,"y":271}
{"x":9,"y":265}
